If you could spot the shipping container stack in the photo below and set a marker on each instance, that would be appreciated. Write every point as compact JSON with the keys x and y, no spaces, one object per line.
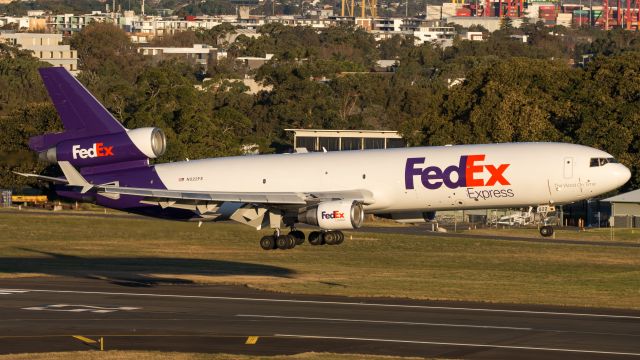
{"x":548,"y":14}
{"x":581,"y":18}
{"x":463,"y":11}
{"x":596,"y":16}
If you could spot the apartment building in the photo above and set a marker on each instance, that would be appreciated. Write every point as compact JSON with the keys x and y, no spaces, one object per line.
{"x":45,"y":47}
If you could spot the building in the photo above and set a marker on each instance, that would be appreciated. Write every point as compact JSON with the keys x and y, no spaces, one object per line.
{"x":68,"y":24}
{"x":199,"y":54}
{"x":423,"y":31}
{"x":490,"y":23}
{"x":19,"y":23}
{"x":45,"y":47}
{"x":625,"y":209}
{"x":337,"y":140}
{"x":254,"y":62}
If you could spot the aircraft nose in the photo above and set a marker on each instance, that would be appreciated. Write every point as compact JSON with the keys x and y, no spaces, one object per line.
{"x":622,"y":174}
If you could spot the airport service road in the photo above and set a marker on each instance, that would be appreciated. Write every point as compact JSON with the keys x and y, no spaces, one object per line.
{"x":42,"y":315}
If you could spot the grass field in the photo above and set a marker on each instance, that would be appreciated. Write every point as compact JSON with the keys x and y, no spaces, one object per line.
{"x":420,"y":267}
{"x":154,"y":355}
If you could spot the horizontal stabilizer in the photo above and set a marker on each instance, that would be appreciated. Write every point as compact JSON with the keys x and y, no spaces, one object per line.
{"x":43,"y":178}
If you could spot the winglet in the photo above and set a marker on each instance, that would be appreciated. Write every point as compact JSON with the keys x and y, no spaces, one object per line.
{"x":74,"y":177}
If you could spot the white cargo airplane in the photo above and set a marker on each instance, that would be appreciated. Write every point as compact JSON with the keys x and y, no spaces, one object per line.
{"x":108,"y":164}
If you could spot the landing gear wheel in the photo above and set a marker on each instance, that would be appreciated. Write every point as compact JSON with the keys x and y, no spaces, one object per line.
{"x":316,"y":238}
{"x":546,"y":231}
{"x":298,"y":235}
{"x":340,"y":238}
{"x":285,"y":242}
{"x":331,"y":237}
{"x":268,"y":243}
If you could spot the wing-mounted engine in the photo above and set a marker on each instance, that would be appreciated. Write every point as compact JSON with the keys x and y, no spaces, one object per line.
{"x":137,"y":144}
{"x":333,"y":215}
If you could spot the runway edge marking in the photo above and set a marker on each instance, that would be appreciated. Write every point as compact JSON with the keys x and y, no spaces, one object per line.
{"x":400,"y":306}
{"x":384,"y":322}
{"x":510,"y":347}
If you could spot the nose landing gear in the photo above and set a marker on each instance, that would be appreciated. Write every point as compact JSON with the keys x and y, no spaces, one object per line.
{"x":546,"y":231}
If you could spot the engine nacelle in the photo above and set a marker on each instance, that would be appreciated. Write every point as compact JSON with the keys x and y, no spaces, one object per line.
{"x":137,"y":144}
{"x":410,"y":217}
{"x":334,"y":215}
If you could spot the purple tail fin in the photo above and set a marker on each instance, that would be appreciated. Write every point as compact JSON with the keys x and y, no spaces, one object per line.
{"x":82,"y":114}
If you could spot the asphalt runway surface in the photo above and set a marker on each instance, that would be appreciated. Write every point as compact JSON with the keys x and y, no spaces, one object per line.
{"x":42,"y":315}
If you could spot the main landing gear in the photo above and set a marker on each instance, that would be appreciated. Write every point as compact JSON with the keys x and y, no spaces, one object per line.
{"x":296,"y":237}
{"x":326,"y":237}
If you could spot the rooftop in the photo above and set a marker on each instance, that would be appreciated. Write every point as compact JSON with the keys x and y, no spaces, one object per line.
{"x":628,"y":197}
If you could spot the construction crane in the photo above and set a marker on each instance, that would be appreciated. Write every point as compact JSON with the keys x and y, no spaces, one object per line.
{"x":373,"y":6}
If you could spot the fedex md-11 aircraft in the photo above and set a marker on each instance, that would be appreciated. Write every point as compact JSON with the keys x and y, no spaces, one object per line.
{"x":106,"y":163}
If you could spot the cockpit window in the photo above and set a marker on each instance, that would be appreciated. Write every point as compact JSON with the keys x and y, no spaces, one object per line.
{"x":595,"y":162}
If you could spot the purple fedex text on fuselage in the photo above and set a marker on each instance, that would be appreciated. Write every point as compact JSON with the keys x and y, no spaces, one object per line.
{"x":433,"y":177}
{"x":466,"y":172}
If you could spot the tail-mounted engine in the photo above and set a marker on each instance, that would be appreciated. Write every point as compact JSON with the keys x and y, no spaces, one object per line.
{"x":334,"y":215}
{"x":138,"y":144}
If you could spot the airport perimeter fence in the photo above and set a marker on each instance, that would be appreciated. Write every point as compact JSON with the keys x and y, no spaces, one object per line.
{"x":5,"y":198}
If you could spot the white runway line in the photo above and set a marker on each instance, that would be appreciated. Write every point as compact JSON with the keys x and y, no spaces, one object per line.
{"x":361,"y":304}
{"x":509,"y":347}
{"x":386,"y":322}
{"x":12,"y":291}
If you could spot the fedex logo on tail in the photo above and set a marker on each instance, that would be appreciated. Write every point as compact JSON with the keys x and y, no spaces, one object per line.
{"x":468,"y":173}
{"x":98,"y":150}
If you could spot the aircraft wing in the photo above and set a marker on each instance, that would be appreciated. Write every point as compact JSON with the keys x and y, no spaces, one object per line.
{"x":282,"y":198}
{"x":261,"y":198}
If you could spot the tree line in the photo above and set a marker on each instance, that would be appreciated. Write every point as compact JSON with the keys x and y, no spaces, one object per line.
{"x":499,"y":90}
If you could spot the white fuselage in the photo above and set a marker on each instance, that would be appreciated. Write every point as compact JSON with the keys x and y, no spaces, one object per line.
{"x":415,"y":179}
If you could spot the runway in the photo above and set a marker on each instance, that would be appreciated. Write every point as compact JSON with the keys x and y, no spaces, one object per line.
{"x":42,"y":314}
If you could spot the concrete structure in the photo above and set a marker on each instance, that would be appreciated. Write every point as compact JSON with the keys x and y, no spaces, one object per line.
{"x":68,"y":24}
{"x":158,"y":27}
{"x":199,"y":54}
{"x":337,"y":140}
{"x":298,"y":21}
{"x":254,"y":62}
{"x":490,"y":23}
{"x":388,"y":24}
{"x":424,"y":31}
{"x":625,"y":209}
{"x":473,"y":36}
{"x":45,"y":47}
{"x":442,"y":35}
{"x":20,"y":22}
